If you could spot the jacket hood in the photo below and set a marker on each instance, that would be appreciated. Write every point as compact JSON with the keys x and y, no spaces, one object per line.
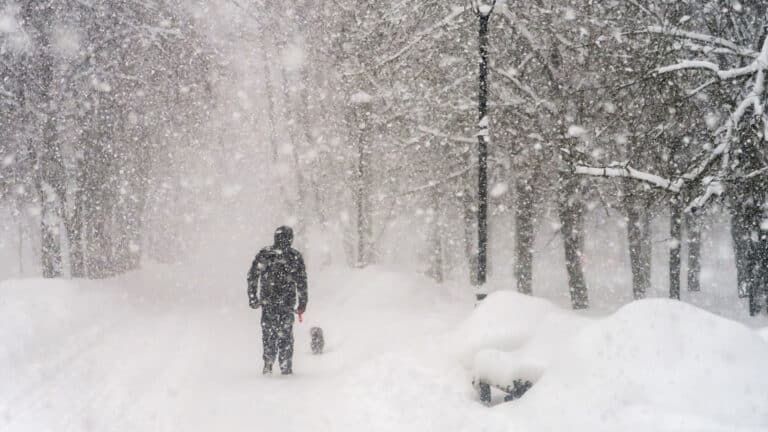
{"x":283,"y":237}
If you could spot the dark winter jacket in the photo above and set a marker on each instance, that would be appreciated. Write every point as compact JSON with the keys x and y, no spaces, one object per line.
{"x":278,"y":275}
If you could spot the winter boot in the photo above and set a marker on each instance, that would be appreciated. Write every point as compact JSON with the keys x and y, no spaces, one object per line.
{"x":267,"y":369}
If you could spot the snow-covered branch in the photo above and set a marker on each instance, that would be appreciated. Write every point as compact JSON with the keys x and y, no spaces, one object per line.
{"x":754,"y":99}
{"x":708,"y":49}
{"x":697,"y":90}
{"x":756,"y":173}
{"x":627,"y":171}
{"x":712,"y":67}
{"x":701,"y":37}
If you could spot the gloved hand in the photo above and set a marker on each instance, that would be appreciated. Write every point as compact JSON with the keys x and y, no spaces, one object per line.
{"x":254,"y":304}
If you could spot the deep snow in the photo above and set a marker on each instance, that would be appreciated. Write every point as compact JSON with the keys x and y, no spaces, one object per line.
{"x":171,"y":349}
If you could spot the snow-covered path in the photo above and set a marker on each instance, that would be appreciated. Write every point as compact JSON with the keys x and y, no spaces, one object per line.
{"x":177,"y":349}
{"x":127,"y":355}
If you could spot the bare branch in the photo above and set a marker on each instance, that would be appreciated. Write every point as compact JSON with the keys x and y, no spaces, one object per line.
{"x":527,"y":90}
{"x":439,"y":134}
{"x":455,"y":12}
{"x":435,"y":183}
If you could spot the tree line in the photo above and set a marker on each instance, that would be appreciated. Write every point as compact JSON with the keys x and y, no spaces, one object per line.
{"x":375,"y":110}
{"x":649,"y":108}
{"x":95,"y":97}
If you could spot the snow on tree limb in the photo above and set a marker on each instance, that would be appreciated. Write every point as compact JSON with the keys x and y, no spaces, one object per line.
{"x":627,"y":171}
{"x":754,"y":99}
{"x":712,"y":67}
{"x":713,"y":40}
{"x":756,"y":173}
{"x":698,"y":89}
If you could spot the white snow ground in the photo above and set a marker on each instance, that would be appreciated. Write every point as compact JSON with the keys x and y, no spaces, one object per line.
{"x":133,"y":354}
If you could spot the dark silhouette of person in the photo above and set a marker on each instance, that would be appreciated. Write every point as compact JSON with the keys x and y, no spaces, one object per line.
{"x":277,"y":282}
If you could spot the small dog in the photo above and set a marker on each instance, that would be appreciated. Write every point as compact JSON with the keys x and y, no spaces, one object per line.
{"x":318,"y":343}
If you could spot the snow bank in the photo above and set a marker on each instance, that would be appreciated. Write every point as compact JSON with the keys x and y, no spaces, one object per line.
{"x":125,"y":354}
{"x":656,"y":365}
{"x":507,"y":321}
{"x":529,"y":362}
{"x":36,"y":310}
{"x":404,"y":392}
{"x":495,"y":323}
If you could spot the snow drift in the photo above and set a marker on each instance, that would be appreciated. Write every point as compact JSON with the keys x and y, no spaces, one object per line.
{"x":123,"y":354}
{"x":513,"y":336}
{"x":656,"y":365}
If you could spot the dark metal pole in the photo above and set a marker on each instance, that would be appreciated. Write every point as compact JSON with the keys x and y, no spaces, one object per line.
{"x":482,"y":151}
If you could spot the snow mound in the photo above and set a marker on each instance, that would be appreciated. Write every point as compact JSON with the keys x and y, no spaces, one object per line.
{"x":529,"y":362}
{"x":401,"y":391}
{"x":658,"y":365}
{"x":507,"y":321}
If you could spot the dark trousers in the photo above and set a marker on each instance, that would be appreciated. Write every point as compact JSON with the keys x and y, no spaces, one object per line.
{"x":277,"y":336}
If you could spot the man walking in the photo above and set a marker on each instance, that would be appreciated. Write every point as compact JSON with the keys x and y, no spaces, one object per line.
{"x":276,"y":281}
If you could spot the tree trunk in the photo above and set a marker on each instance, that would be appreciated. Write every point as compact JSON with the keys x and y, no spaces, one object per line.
{"x":675,"y":234}
{"x":572,"y":220}
{"x":362,"y":194}
{"x":436,"y":241}
{"x":639,"y":239}
{"x":50,"y":234}
{"x":693,"y":241}
{"x":75,"y":232}
{"x":751,"y":242}
{"x":524,"y":236}
{"x":97,"y":254}
{"x":50,"y":188}
{"x":137,"y":208}
{"x":468,"y":224}
{"x":741,"y":246}
{"x":21,"y":246}
{"x":314,"y":184}
{"x":483,"y":137}
{"x":98,"y":250}
{"x":270,"y":95}
{"x":300,"y":202}
{"x":50,"y":170}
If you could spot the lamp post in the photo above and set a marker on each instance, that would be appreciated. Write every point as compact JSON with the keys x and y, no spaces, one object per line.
{"x":483,"y":11}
